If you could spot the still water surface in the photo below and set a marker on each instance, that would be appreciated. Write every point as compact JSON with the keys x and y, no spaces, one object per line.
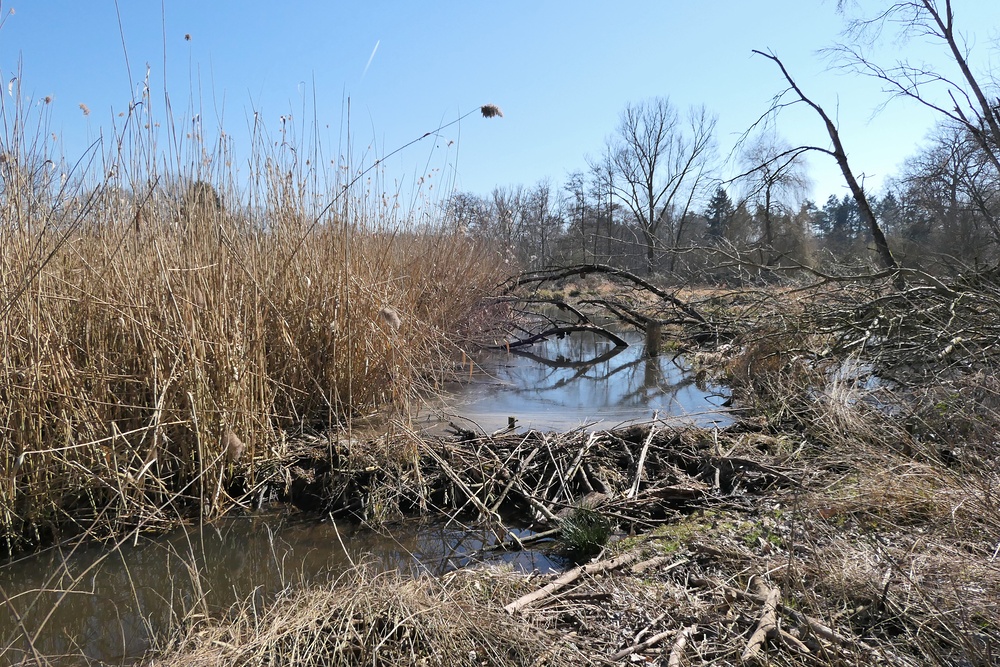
{"x":105,"y":604}
{"x":581,"y":379}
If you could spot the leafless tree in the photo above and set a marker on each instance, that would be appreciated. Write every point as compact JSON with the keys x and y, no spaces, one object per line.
{"x":606,"y":210}
{"x":773,"y":185}
{"x":542,"y":224}
{"x":661,"y":164}
{"x":961,"y":98}
{"x":839,"y":154}
{"x":952,"y":195}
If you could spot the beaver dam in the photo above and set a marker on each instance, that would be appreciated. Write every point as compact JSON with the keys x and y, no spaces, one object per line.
{"x":818,"y":527}
{"x":485,"y":488}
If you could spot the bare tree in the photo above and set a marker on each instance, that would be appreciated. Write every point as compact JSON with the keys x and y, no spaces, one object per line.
{"x":660,"y":164}
{"x":577,"y":209}
{"x":962,"y":99}
{"x":602,"y":192}
{"x":840,"y":155}
{"x":542,"y":224}
{"x":774,"y":185}
{"x":952,"y":195}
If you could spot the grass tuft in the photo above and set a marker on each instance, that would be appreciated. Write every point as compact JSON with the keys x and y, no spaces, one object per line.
{"x":376,"y":619}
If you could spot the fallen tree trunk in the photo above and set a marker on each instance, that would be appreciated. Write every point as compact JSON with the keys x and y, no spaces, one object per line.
{"x":546,"y":275}
{"x":562,"y":331}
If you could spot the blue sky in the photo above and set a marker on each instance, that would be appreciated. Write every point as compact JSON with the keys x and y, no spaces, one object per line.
{"x":561,"y":72}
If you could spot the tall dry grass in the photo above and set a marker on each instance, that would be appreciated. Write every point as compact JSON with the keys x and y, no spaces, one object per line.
{"x":378,"y":619}
{"x":163,"y":319}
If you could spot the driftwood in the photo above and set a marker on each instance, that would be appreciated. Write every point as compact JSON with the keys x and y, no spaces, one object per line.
{"x":549,"y":589}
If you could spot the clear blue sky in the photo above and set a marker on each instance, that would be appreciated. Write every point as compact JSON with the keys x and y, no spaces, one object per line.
{"x":561,"y":71}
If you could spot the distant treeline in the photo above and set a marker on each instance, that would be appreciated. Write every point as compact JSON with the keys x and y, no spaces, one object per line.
{"x":941,"y":213}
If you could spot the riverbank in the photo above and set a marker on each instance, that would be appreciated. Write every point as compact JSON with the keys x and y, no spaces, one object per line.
{"x":850,"y":516}
{"x":741,"y":545}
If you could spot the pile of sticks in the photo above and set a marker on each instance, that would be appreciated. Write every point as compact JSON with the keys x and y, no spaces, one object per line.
{"x":638,"y":475}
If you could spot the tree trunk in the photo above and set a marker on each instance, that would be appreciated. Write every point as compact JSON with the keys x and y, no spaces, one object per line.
{"x":650,"y":251}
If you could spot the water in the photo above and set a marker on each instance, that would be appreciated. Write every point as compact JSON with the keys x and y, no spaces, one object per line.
{"x":108,"y":603}
{"x":581,"y":379}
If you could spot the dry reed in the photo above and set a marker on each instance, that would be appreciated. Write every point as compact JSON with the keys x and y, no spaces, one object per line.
{"x":149,"y":320}
{"x":378,"y":619}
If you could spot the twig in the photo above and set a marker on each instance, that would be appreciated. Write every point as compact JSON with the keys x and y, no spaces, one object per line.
{"x":635,"y":648}
{"x":815,"y":626}
{"x":453,"y":476}
{"x":579,"y":456}
{"x":642,"y":633}
{"x":520,"y":542}
{"x":639,"y":568}
{"x":642,"y":462}
{"x":514,"y":478}
{"x":677,"y":650}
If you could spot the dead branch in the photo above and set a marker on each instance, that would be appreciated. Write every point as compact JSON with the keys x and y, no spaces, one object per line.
{"x":568,"y":578}
{"x":546,"y":275}
{"x":840,"y":155}
{"x":656,"y":561}
{"x":642,"y":646}
{"x":818,"y":628}
{"x":677,"y":650}
{"x":562,"y":331}
{"x":641,"y":464}
{"x":767,"y":626}
{"x":561,"y":305}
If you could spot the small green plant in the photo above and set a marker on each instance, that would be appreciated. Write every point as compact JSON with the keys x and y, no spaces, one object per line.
{"x":584,"y":532}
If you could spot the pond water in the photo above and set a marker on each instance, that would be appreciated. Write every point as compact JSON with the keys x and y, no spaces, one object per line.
{"x":579,"y":380}
{"x":105,"y":604}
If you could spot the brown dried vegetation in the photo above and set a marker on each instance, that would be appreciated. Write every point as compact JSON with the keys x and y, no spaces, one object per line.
{"x":146,"y":329}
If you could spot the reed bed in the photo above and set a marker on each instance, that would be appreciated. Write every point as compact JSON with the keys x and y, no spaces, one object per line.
{"x":162,"y":328}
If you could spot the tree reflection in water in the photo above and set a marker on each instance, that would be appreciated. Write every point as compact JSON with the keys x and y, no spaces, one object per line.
{"x":581,"y":378}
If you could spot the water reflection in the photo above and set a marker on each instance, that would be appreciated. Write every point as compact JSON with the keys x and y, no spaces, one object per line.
{"x":105,"y":604}
{"x":579,"y":379}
